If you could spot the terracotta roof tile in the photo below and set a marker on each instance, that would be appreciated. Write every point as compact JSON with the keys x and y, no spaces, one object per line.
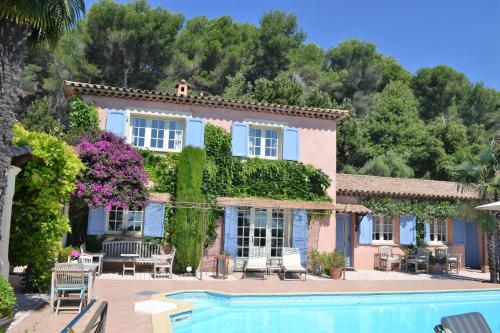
{"x":352,"y":208}
{"x":362,"y":186}
{"x":79,"y":88}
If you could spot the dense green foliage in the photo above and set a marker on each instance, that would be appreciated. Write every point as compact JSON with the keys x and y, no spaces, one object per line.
{"x":280,"y":179}
{"x":187,"y":223}
{"x":433,"y":118}
{"x":389,"y":164}
{"x":7,"y":299}
{"x":83,"y":117}
{"x":39,"y":117}
{"x":42,"y":188}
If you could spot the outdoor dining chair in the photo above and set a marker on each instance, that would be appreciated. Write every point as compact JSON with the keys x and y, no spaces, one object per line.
{"x":421,"y":258}
{"x":453,"y":260}
{"x":386,"y":259}
{"x":162,"y":264}
{"x":69,"y":285}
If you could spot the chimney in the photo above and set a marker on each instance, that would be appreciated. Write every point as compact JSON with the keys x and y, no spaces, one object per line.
{"x":182,"y":88}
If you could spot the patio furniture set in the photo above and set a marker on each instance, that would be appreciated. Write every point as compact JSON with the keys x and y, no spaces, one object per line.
{"x":290,"y":263}
{"x":385,"y":259}
{"x":74,"y":281}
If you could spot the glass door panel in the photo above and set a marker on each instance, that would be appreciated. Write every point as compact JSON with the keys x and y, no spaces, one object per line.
{"x":243,"y":240}
{"x":260,"y":227}
{"x":277,"y":232}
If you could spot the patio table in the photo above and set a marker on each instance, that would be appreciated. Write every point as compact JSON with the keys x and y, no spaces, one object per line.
{"x":89,"y":270}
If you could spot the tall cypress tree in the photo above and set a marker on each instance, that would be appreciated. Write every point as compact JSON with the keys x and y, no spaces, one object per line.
{"x":187,"y":224}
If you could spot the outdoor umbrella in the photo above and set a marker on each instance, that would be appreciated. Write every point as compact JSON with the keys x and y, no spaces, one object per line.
{"x":490,"y":206}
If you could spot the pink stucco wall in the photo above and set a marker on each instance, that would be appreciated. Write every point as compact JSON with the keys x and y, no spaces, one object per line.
{"x":317,"y":140}
{"x":317,"y":136}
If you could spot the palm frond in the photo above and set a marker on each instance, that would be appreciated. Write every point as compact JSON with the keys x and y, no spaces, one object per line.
{"x":48,"y":18}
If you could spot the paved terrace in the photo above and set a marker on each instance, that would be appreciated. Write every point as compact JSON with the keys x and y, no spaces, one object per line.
{"x":122,"y":293}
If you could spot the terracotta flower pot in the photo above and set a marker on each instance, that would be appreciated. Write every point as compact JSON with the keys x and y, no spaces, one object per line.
{"x":335,"y":273}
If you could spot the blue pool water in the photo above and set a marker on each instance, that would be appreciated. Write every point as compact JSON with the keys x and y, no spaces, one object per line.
{"x":363,"y":313}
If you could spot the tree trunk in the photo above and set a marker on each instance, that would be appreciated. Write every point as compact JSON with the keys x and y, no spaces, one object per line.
{"x":125,"y":74}
{"x":12,"y":40}
{"x":492,"y":258}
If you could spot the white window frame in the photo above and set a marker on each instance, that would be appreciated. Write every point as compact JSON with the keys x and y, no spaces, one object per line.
{"x":124,"y":222}
{"x":279,"y":141}
{"x":381,"y":221}
{"x":166,"y":131}
{"x":433,"y":239}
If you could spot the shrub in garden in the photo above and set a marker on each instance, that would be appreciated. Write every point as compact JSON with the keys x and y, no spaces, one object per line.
{"x":83,"y":117}
{"x":42,"y":188}
{"x":7,"y":299}
{"x":187,"y":226}
{"x":114,"y":173}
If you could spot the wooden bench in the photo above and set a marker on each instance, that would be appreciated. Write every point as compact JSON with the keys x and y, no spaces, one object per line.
{"x":114,"y":249}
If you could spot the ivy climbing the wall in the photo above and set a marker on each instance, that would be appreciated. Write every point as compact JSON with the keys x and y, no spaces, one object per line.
{"x":424,"y":210}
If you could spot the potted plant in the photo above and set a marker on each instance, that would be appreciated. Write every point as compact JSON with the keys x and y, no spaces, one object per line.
{"x":436,"y":264}
{"x":74,"y":255}
{"x":7,"y":302}
{"x":316,"y":259}
{"x":230,"y":263}
{"x":335,"y":262}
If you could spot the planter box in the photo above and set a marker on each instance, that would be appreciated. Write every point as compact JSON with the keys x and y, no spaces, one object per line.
{"x":4,"y":323}
{"x":436,"y":269}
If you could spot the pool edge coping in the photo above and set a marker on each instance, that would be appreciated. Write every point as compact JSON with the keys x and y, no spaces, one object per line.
{"x":161,"y":321}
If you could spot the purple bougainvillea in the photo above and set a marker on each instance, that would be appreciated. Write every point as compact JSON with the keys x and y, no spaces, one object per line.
{"x":114,"y":174}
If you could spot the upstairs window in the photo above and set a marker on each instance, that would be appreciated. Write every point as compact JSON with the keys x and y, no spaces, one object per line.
{"x":157,"y":134}
{"x":438,"y":231}
{"x":383,"y":228}
{"x":263,"y":142}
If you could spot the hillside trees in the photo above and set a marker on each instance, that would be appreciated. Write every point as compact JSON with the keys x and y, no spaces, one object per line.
{"x":270,"y":62}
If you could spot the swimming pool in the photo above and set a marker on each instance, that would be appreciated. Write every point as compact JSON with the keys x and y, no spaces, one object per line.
{"x":328,"y":313}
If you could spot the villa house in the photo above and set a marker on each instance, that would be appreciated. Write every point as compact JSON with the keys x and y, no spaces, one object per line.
{"x":165,"y":122}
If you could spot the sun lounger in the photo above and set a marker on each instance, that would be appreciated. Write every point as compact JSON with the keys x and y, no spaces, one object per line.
{"x":472,"y":322}
{"x":290,"y":262}
{"x":257,"y":262}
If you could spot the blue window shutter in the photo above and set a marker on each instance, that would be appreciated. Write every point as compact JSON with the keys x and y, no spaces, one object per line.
{"x":154,"y":219}
{"x":408,"y":230}
{"x":427,"y":234}
{"x":365,"y":229}
{"x":230,"y":231}
{"x":115,"y":122}
{"x":195,"y":132}
{"x":291,"y":143}
{"x":458,"y":231}
{"x":239,"y":141}
{"x":95,"y":225}
{"x":299,"y":233}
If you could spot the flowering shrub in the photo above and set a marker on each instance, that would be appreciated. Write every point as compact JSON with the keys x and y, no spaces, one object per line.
{"x":114,"y":174}
{"x":42,"y":188}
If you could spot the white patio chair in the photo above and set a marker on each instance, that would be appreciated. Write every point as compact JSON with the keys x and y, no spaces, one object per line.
{"x":162,"y":264}
{"x":386,"y":259}
{"x":290,"y":262}
{"x":257,"y":262}
{"x":96,"y":256}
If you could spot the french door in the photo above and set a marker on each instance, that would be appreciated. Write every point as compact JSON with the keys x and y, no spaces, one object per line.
{"x":260,"y":227}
